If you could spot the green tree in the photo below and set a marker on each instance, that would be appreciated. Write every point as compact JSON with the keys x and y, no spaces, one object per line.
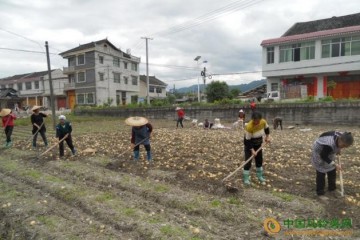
{"x":234,"y":93}
{"x":216,"y":91}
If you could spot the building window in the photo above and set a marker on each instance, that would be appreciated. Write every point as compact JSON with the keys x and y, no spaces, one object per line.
{"x":116,"y":77}
{"x":2,"y":86}
{"x":134,"y":66}
{"x":11,"y":85}
{"x":340,"y":47}
{"x":85,"y":98}
{"x":28,"y":85}
{"x":270,"y":55}
{"x":125,"y":65}
{"x":81,"y":77}
{"x":80,"y":98}
{"x":81,"y":59}
{"x":36,"y":85}
{"x":116,"y":62}
{"x":158,"y":90}
{"x":71,"y":78}
{"x":126,"y":80}
{"x":101,"y":59}
{"x":19,"y":87}
{"x":90,"y":98}
{"x":72,"y":61}
{"x":101,"y":76}
{"x":134,"y":80}
{"x":274,"y":87}
{"x":151,"y":89}
{"x":297,"y":52}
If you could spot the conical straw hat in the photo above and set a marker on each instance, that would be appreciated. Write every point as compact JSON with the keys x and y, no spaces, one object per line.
{"x":4,"y":112}
{"x":136,"y":121}
{"x":35,"y":108}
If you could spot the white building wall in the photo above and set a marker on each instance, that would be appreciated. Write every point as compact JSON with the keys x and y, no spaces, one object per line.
{"x":313,"y":66}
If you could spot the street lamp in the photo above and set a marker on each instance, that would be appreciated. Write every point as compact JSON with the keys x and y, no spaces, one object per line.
{"x":197,"y":64}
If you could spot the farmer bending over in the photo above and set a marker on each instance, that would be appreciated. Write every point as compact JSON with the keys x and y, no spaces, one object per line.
{"x":140,"y":134}
{"x":253,"y":139}
{"x":64,"y":127}
{"x":323,"y":159}
{"x":277,"y":122}
{"x":37,"y":120}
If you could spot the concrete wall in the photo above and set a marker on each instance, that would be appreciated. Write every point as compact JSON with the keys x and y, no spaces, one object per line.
{"x":346,"y":113}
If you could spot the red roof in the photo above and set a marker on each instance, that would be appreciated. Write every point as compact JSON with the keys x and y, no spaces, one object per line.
{"x":312,"y":35}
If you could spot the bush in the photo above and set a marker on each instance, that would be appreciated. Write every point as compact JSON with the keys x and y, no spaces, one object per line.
{"x":327,"y":99}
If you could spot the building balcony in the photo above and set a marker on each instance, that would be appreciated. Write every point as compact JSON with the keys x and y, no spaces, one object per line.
{"x":68,"y":70}
{"x":69,"y":86}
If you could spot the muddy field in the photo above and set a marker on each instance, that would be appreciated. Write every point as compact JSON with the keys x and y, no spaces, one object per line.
{"x":105,"y":195}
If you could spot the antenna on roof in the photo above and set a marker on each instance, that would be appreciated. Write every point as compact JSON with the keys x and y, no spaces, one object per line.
{"x":128,"y":51}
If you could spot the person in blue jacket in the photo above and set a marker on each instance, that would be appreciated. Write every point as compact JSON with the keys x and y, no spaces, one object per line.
{"x":64,"y":127}
{"x":140,"y":135}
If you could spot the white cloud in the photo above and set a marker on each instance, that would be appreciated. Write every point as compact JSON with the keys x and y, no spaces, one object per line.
{"x":230,"y":43}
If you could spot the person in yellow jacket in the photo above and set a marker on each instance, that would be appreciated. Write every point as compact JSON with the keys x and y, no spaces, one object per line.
{"x":256,"y":128}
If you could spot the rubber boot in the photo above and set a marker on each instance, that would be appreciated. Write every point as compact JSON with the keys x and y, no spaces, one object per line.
{"x":246,"y":177}
{"x":136,"y":155}
{"x":34,"y":144}
{"x":9,"y":144}
{"x":259,"y":174}
{"x":148,"y":154}
{"x":73,"y":151}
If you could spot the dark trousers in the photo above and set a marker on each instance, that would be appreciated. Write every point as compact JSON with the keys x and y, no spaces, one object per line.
{"x":147,"y":147}
{"x":320,"y":181}
{"x":69,"y":142}
{"x":258,"y":158}
{"x":8,"y":133}
{"x":43,"y":136}
{"x":180,"y":120}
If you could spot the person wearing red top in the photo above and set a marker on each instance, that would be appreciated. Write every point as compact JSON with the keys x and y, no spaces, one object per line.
{"x":8,"y":124}
{"x":253,"y":105}
{"x":181,"y":114}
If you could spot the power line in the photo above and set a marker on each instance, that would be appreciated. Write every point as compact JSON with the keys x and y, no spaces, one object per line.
{"x":21,"y":36}
{"x":24,"y":50}
{"x":228,"y":9}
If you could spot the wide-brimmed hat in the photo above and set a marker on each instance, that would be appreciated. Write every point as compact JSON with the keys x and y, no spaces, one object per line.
{"x":136,"y":121}
{"x":241,"y":110}
{"x":4,"y":112}
{"x":62,"y":117}
{"x":35,"y":108}
{"x":177,"y":108}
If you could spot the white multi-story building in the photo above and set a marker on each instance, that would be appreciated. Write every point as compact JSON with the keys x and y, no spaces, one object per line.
{"x":321,"y":56}
{"x":157,"y":88}
{"x":34,"y":88}
{"x":99,"y":73}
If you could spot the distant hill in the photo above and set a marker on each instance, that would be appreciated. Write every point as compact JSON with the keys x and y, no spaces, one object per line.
{"x":243,"y":87}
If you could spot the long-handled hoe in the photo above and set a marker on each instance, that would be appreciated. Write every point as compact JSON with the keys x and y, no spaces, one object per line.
{"x":235,"y":189}
{"x":53,"y":146}
{"x":341,"y":179}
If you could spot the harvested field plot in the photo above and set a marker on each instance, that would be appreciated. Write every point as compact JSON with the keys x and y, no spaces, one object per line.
{"x":102,"y":194}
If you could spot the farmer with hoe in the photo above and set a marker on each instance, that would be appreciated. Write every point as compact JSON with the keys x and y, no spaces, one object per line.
{"x":323,"y":159}
{"x":253,"y":140}
{"x":63,"y":132}
{"x":37,"y":120}
{"x":181,"y":115}
{"x":140,"y":134}
{"x":8,"y":124}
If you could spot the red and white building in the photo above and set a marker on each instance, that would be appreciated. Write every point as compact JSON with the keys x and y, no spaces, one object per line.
{"x":318,"y":58}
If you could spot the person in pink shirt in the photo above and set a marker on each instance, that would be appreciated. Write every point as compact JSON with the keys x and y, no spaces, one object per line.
{"x":8,"y":124}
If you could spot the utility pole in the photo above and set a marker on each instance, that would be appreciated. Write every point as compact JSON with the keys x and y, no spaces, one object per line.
{"x":197,"y":65}
{"x":52,"y":99}
{"x":147,"y":69}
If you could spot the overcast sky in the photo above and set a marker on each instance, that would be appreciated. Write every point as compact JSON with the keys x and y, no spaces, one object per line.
{"x":225,"y":33}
